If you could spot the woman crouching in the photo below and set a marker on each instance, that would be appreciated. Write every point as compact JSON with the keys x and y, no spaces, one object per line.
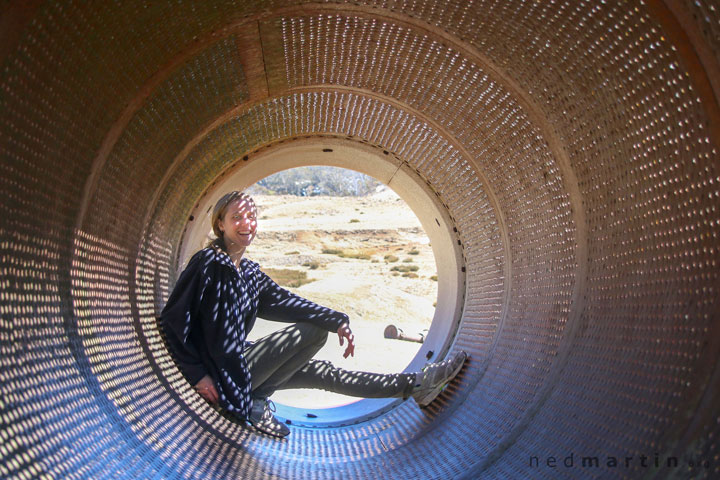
{"x":213,"y":307}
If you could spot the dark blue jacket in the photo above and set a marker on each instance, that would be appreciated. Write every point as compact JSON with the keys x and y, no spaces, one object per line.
{"x":212,"y":309}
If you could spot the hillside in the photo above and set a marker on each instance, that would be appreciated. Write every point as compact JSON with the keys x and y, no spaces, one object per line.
{"x":316,"y":180}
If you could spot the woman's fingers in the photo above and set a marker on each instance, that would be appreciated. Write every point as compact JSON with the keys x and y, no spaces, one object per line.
{"x":206,"y":388}
{"x":345,"y":332}
{"x":350,"y":350}
{"x":211,"y":395}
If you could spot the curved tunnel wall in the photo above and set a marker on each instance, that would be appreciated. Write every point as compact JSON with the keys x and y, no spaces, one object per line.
{"x":574,"y":147}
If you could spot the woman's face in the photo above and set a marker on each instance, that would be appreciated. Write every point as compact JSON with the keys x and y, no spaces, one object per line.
{"x":239,"y":223}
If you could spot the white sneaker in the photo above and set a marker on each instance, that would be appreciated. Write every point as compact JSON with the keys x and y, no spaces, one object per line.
{"x":435,"y":376}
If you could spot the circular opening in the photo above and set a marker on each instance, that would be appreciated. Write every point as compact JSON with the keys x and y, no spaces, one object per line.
{"x":403,"y":181}
{"x":346,"y":241}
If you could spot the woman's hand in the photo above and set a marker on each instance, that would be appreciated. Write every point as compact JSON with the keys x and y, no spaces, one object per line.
{"x":206,"y":388}
{"x":345,"y":332}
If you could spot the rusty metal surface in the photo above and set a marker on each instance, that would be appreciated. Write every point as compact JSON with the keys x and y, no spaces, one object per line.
{"x":574,"y":145}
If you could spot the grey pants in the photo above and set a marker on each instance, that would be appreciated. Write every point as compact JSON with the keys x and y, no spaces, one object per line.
{"x":284,"y":360}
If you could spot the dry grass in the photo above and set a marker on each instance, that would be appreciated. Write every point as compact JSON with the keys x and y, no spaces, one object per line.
{"x":356,"y":254}
{"x":286,"y":277}
{"x":405,"y":268}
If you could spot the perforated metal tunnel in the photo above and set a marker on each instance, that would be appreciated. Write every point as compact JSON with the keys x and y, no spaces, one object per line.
{"x":570,"y":149}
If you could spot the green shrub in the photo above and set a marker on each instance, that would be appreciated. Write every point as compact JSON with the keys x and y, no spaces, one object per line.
{"x":434,"y":278}
{"x":391,"y":258}
{"x":414,"y":251}
{"x":312,"y":265}
{"x":354,"y":220}
{"x":294,"y":252}
{"x":410,"y":275}
{"x":408,"y":260}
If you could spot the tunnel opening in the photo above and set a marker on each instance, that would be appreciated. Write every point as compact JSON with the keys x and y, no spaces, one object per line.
{"x":440,"y":245}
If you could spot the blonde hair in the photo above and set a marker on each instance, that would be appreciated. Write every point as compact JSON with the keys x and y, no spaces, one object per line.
{"x":219,"y":213}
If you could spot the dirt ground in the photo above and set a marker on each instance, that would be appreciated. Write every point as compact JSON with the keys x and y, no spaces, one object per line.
{"x":292,"y":233}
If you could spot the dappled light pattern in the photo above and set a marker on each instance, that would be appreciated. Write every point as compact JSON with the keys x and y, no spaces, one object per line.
{"x":324,"y":375}
{"x":292,"y":350}
{"x":572,"y":149}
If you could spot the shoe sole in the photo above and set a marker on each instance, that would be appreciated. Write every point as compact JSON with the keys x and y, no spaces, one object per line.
{"x":269,"y":432}
{"x":432,"y":395}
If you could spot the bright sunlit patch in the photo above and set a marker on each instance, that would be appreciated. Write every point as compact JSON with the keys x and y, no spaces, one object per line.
{"x":363,"y":252}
